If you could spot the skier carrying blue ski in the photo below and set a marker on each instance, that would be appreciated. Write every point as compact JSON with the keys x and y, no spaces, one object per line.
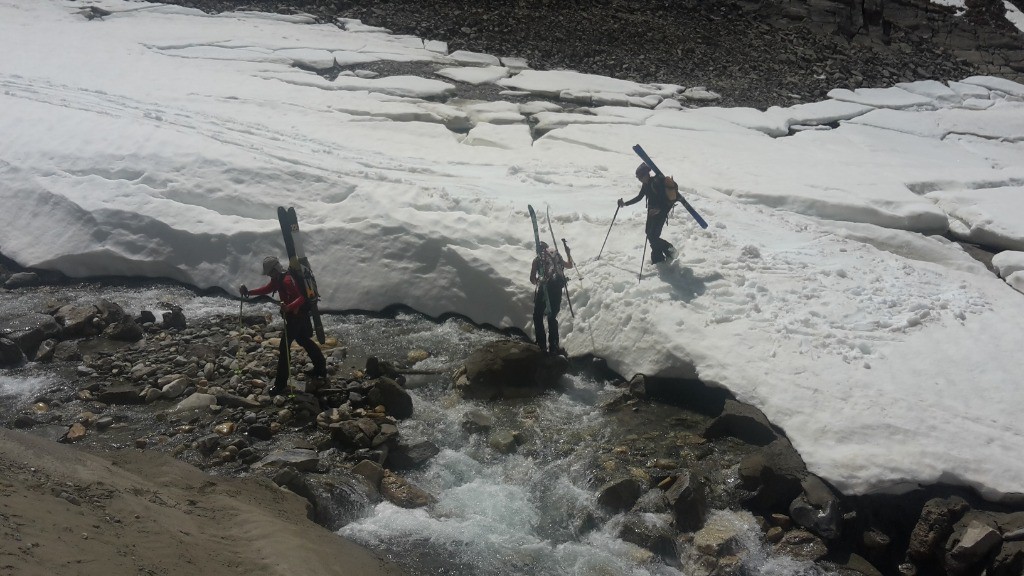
{"x":548,"y":275}
{"x":297,"y":322}
{"x":659,"y":202}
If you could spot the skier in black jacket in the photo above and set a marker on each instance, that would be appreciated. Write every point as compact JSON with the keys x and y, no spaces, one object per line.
{"x":658,"y":205}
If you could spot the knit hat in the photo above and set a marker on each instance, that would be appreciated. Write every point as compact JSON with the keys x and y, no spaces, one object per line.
{"x":271,"y":265}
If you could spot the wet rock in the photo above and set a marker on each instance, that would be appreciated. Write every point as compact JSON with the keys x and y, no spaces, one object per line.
{"x":234,"y":401}
{"x":46,"y":350}
{"x":649,"y":531}
{"x":411,"y":456}
{"x":121,"y":394}
{"x":74,"y":433}
{"x":175,"y":388}
{"x":67,"y":351}
{"x":78,"y":321}
{"x":773,"y":475}
{"x":22,"y":280}
{"x":174,"y":319}
{"x":817,"y":509}
{"x":124,"y":330}
{"x":687,"y":498}
{"x":259,"y":432}
{"x":503,"y":441}
{"x":742,"y":422}
{"x":29,"y":331}
{"x":620,"y":494}
{"x":1009,"y":561}
{"x":297,"y":458}
{"x":403,"y":493}
{"x":510,"y":369}
{"x":393,"y":397}
{"x":801,"y":545}
{"x":104,"y":422}
{"x":477,"y":421}
{"x":23,"y":421}
{"x":934,"y":527}
{"x":196,"y":401}
{"x":371,"y":471}
{"x":968,"y":548}
{"x":10,"y":353}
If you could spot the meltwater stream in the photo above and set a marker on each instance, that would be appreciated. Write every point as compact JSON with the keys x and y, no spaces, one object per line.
{"x":532,"y":511}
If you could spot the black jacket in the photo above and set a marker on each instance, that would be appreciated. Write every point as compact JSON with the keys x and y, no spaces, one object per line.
{"x":654,"y":191}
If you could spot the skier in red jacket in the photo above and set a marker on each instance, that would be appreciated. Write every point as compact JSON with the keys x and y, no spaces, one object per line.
{"x":297,"y":322}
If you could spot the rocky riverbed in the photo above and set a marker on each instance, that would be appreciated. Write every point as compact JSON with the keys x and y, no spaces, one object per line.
{"x":681,"y":472}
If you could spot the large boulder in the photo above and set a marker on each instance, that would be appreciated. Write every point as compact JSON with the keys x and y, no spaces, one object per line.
{"x":21,"y":280}
{"x":10,"y":353}
{"x":510,"y":369}
{"x":772,"y":476}
{"x":687,"y":497}
{"x":392,"y":396}
{"x":817,"y":508}
{"x":410,"y":456}
{"x":933,"y":528}
{"x":29,"y":331}
{"x":742,"y":422}
{"x":969,"y":547}
{"x":78,"y":321}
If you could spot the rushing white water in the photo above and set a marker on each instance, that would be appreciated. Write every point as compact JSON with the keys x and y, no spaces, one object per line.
{"x":533,"y":511}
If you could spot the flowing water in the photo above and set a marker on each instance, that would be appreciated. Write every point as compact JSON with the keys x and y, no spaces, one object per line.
{"x":529,"y":510}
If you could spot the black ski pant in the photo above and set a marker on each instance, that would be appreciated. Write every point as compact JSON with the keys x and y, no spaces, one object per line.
{"x":554,"y":292}
{"x":659,"y":248}
{"x":299,"y":329}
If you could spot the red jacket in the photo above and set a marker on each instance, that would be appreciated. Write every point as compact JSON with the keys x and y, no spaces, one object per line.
{"x":291,"y":295}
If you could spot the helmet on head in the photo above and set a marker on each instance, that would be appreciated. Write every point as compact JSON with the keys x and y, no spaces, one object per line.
{"x":271,"y":265}
{"x":543,"y":244}
{"x":643,"y":170}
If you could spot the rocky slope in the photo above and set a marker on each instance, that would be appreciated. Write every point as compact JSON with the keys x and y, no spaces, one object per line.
{"x":763,"y":53}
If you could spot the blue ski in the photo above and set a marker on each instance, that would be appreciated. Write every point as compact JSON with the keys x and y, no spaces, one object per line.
{"x":650,"y":163}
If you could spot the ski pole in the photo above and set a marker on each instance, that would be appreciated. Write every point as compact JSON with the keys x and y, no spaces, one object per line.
{"x":642,"y":256}
{"x":568,"y":254}
{"x":609,"y":232}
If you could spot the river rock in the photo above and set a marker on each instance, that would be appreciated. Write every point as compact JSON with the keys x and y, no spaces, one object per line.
{"x":75,"y":433}
{"x":174,"y":388}
{"x":649,"y":531}
{"x":174,"y":319}
{"x":934,"y":527}
{"x":121,"y":394}
{"x":393,"y":397}
{"x":510,"y":369}
{"x":687,"y":498}
{"x":46,"y":350}
{"x":10,"y":353}
{"x":817,"y":509}
{"x":67,"y":351}
{"x":620,"y":494}
{"x":29,"y":331}
{"x":196,"y":401}
{"x":967,"y":548}
{"x":743,"y":422}
{"x":773,"y":476}
{"x":411,"y":456}
{"x":299,"y":459}
{"x":477,"y":421}
{"x":22,"y":280}
{"x":403,"y":493}
{"x":372,"y":472}
{"x":503,"y":441}
{"x":124,"y":330}
{"x":801,"y":545}
{"x":22,"y":421}
{"x":78,"y":321}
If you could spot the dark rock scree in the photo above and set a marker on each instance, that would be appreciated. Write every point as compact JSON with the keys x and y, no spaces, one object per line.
{"x":753,"y":53}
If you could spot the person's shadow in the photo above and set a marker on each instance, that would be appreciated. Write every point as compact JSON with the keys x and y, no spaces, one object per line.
{"x":685,"y":285}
